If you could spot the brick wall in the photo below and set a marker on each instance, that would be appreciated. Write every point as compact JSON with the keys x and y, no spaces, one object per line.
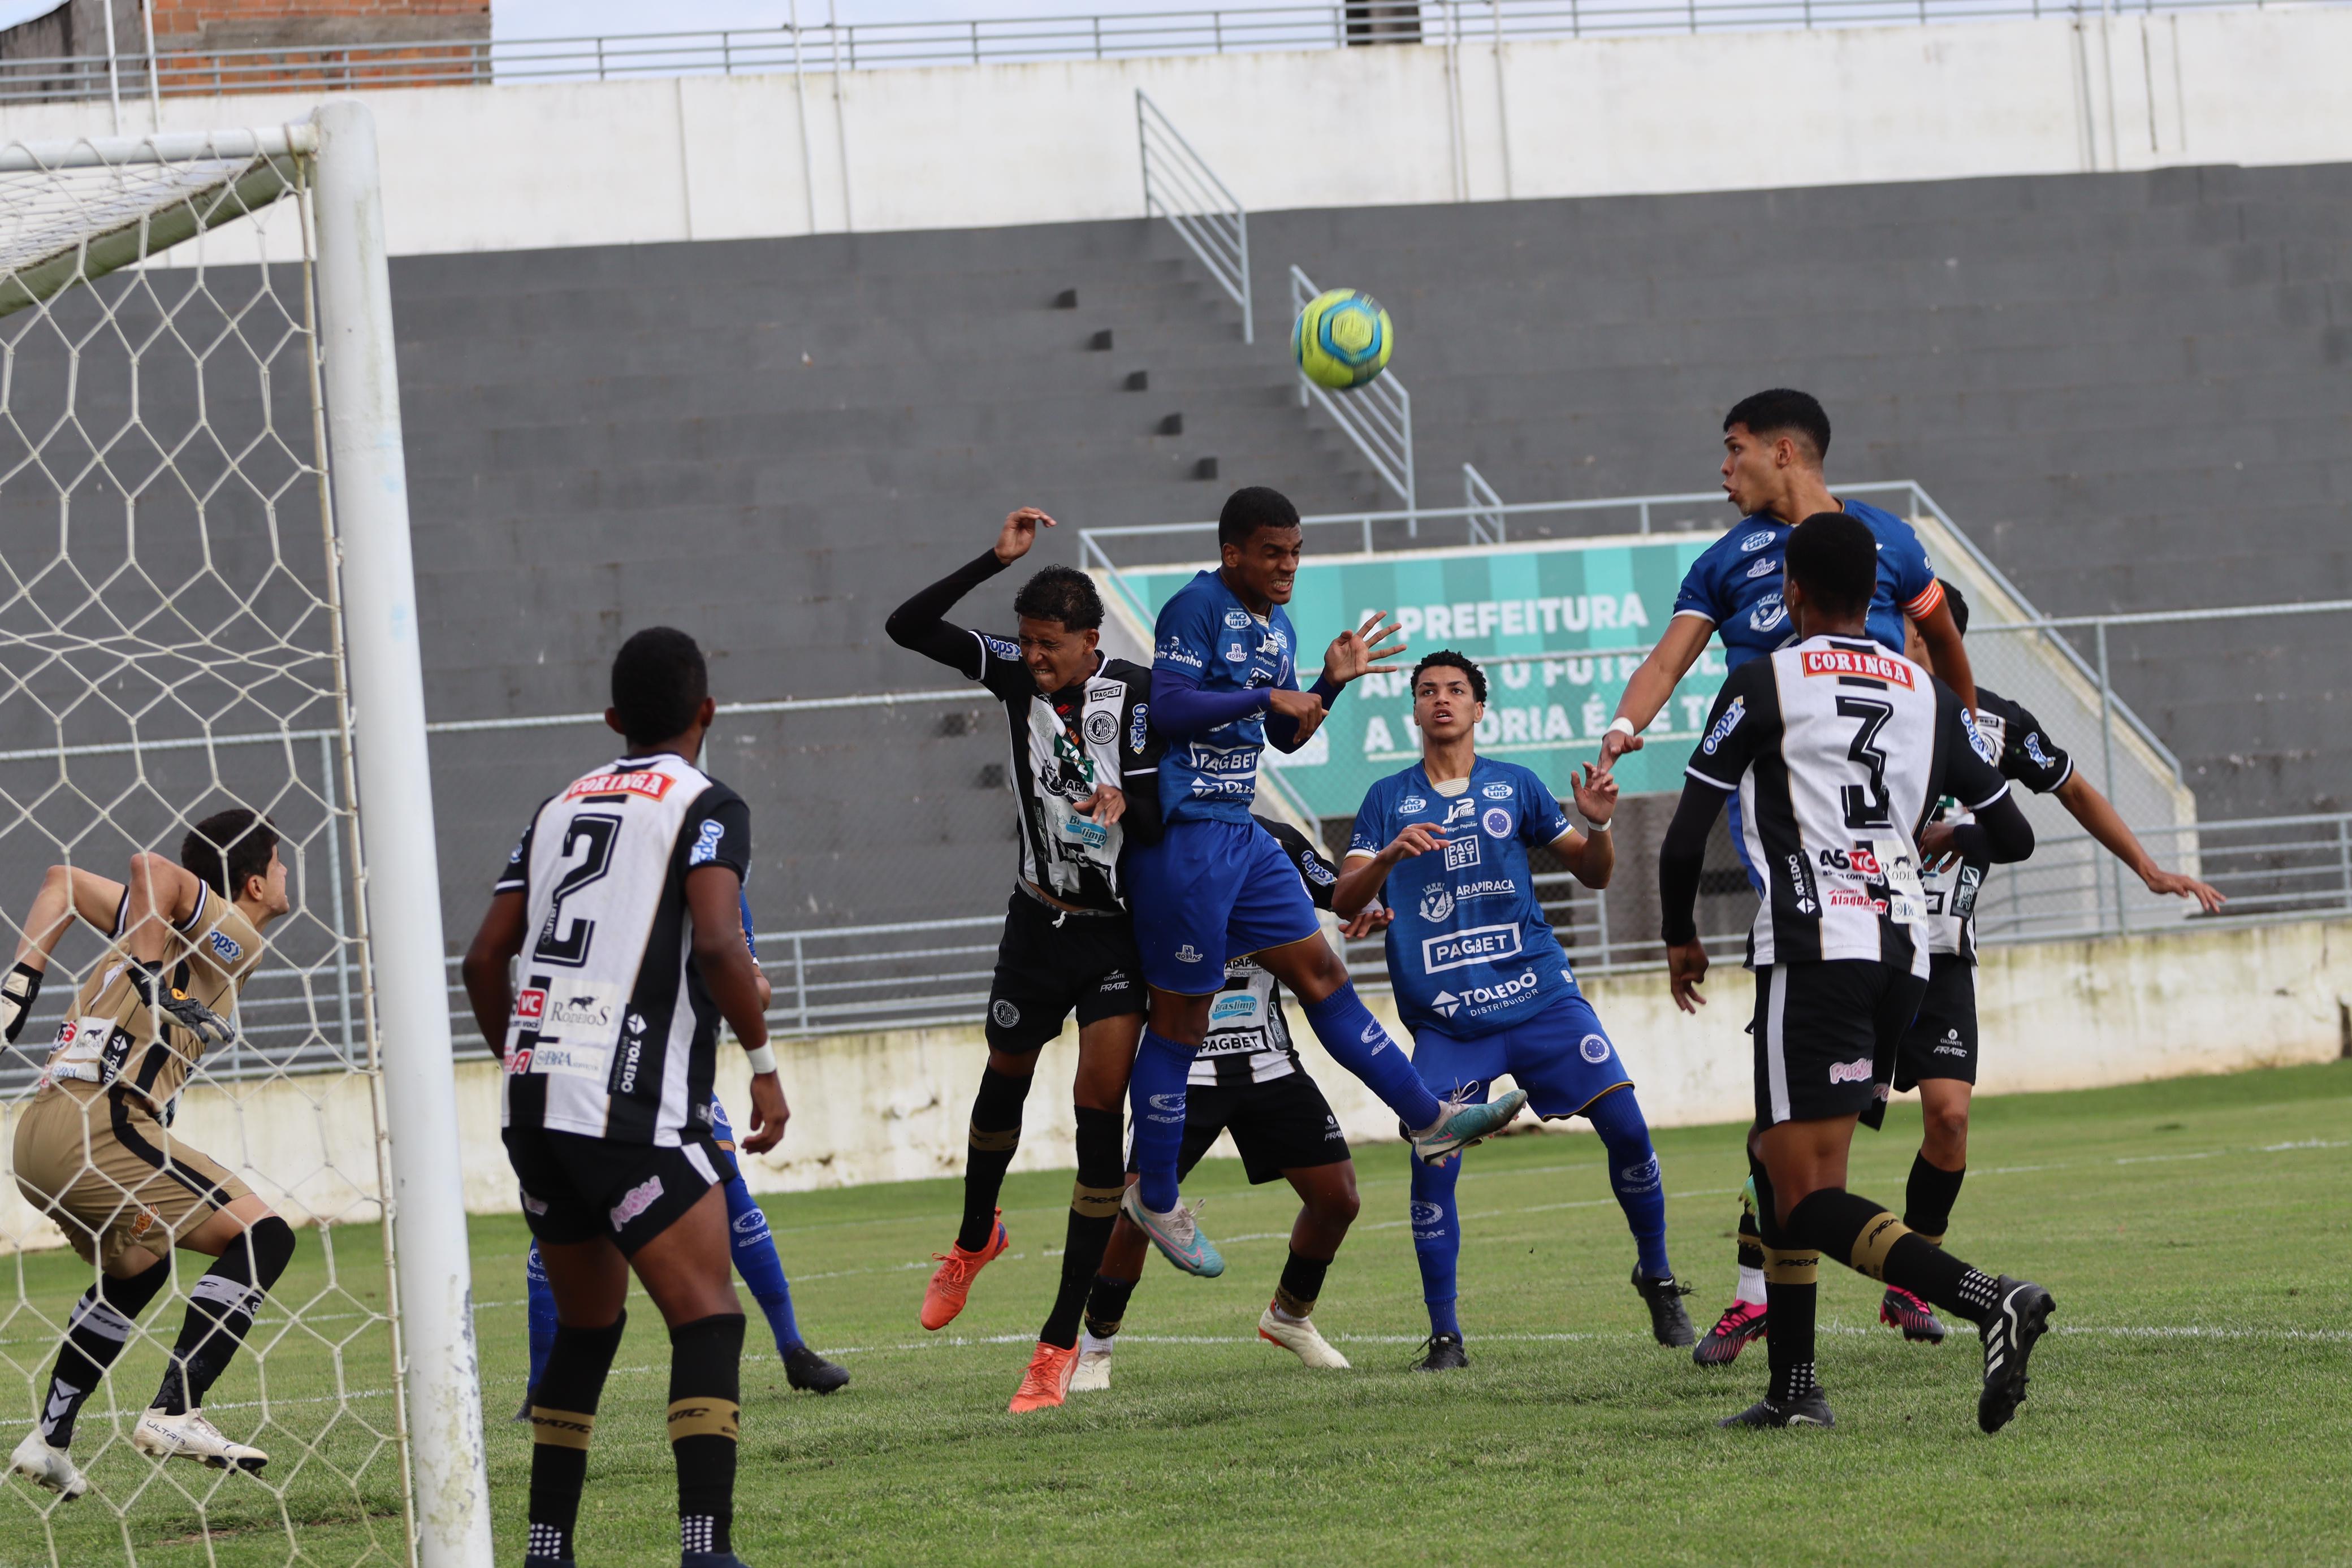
{"x":296,"y":24}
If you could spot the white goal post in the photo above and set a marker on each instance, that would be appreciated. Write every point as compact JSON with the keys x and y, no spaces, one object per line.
{"x":209,"y":599}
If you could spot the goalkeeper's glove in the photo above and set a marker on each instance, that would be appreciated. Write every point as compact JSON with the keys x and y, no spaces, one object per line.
{"x":18,"y":992}
{"x":209,"y":1028}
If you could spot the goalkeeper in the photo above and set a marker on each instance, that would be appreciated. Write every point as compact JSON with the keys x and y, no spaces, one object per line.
{"x":94,"y":1150}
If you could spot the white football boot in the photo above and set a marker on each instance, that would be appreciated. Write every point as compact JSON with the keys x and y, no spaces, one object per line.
{"x":1093,"y":1376}
{"x":1301,"y":1339}
{"x":47,"y":1467}
{"x":191,"y":1437}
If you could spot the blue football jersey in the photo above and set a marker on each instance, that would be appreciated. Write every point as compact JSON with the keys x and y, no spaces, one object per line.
{"x":1206,"y":633}
{"x":1469,"y":951}
{"x":1737,"y":584}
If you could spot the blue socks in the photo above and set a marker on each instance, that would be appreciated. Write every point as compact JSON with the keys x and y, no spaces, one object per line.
{"x":542,"y":1312}
{"x":1155,"y":1092}
{"x":756,"y":1261}
{"x":1633,"y":1175}
{"x":1437,"y":1240}
{"x":1358,"y":1043}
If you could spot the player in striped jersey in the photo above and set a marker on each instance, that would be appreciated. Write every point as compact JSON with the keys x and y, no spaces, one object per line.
{"x":754,"y":1247}
{"x":623,"y":898}
{"x":1939,"y":1053}
{"x":1247,"y":1080}
{"x":1838,"y":748}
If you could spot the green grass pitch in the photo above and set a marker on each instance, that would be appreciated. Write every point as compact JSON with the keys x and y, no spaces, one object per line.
{"x":2195,"y":1402}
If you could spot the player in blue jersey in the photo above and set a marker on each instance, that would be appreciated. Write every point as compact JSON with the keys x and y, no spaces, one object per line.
{"x":1774,"y":444}
{"x":1224,"y":684}
{"x":1482,"y":982}
{"x":754,"y":1246}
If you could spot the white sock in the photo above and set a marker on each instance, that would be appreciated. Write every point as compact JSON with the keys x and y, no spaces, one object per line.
{"x":1752,"y":1287}
{"x":1089,"y":1345}
{"x":1281,"y":1316}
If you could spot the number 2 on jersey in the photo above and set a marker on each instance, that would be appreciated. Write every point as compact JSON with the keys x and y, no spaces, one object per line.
{"x":1866,"y":805}
{"x":590,"y":836}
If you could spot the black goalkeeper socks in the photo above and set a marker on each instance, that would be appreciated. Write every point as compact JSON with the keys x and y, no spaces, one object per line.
{"x":221,"y":1306}
{"x":995,"y":1135}
{"x":100,"y":1326}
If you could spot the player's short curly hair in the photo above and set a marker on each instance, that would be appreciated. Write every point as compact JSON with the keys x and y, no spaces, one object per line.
{"x":1062,"y":593}
{"x":1834,"y":556}
{"x":1250,"y":508}
{"x":1959,"y":606}
{"x":1452,"y":660}
{"x":229,"y":846}
{"x":659,"y":680}
{"x":1783,"y":411}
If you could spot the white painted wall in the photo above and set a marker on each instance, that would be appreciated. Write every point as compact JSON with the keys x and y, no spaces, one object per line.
{"x":894,"y":1106}
{"x":497,"y":167}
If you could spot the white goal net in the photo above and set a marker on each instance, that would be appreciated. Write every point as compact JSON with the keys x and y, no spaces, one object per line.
{"x":172,"y":646}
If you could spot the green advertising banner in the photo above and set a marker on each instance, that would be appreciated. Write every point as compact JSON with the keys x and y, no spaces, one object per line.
{"x":1581,"y":614}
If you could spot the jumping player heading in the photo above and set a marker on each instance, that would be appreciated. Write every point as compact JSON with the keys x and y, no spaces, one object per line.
{"x":1223,"y":686}
{"x":1838,"y":746}
{"x":1774,"y":444}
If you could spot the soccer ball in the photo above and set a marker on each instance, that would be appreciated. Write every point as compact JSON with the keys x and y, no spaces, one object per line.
{"x":1342,"y":340}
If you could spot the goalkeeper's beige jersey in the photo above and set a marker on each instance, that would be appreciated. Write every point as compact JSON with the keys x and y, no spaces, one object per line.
{"x":110,"y":1036}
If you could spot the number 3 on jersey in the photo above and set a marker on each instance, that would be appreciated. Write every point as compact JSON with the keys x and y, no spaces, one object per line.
{"x":1866,"y":805}
{"x":588,"y":847}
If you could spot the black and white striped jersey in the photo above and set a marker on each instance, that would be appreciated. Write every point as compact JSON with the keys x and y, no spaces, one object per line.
{"x":2028,"y":757}
{"x":1248,"y":1040}
{"x":1093,"y":732}
{"x":1837,"y":748}
{"x":613,"y":1034}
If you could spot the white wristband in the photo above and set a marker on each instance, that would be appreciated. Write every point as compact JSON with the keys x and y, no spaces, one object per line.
{"x":1621,"y":725}
{"x":762,"y":1060}
{"x":1591,"y":828}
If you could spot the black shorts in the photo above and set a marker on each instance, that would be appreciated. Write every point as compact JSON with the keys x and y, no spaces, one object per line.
{"x":1826,"y":1035}
{"x":1045,"y":970}
{"x":1942,"y":1041}
{"x":1281,"y":1124}
{"x":576,"y":1188}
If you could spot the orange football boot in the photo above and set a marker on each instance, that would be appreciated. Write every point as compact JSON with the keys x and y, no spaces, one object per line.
{"x":951,"y":1280}
{"x":1048,"y":1380}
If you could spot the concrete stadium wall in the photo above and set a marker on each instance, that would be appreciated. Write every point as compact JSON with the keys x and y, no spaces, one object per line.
{"x":894,"y":1106}
{"x":507,"y":168}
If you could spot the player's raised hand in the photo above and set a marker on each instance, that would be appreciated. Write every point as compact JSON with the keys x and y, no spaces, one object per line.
{"x":1615,"y":744}
{"x":1354,"y":654}
{"x":1596,"y":794}
{"x":769,"y":1114}
{"x":1417,"y":839}
{"x":1020,"y":531}
{"x":1685,"y":972}
{"x":1304,"y":708}
{"x":2171,"y":881}
{"x":1372,"y":919}
{"x":1107,"y":805}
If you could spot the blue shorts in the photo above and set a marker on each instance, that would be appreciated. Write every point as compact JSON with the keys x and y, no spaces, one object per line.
{"x":1211,"y":889}
{"x":1559,"y":1056}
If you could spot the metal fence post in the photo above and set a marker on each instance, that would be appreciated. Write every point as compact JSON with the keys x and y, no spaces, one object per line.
{"x":800,"y":980}
{"x":2344,"y":859}
{"x":2107,"y":760}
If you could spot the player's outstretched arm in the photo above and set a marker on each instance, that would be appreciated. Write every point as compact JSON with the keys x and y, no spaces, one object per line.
{"x":1591,"y":854}
{"x":2103,"y":822}
{"x":1681,"y":857}
{"x":714,"y":903}
{"x":1660,"y":671}
{"x":919,"y":626}
{"x":1365,"y":874}
{"x":1942,"y":635}
{"x":65,"y":894}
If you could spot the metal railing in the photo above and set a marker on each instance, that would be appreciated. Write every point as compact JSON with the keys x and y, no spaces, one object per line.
{"x":1376,"y":416}
{"x":1204,"y":212}
{"x":868,"y":46}
{"x":1483,"y":508}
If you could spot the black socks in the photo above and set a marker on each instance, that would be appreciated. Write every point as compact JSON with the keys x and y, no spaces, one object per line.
{"x":706,"y":1371}
{"x":1848,"y":1226}
{"x":563,"y":1419}
{"x":220,"y":1313}
{"x":995,"y":1134}
{"x":1106,"y":1305}
{"x":1302,"y":1282}
{"x":1094,"y":1211}
{"x":1929,"y":1197}
{"x":100,"y":1326}
{"x":1792,"y":1294}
